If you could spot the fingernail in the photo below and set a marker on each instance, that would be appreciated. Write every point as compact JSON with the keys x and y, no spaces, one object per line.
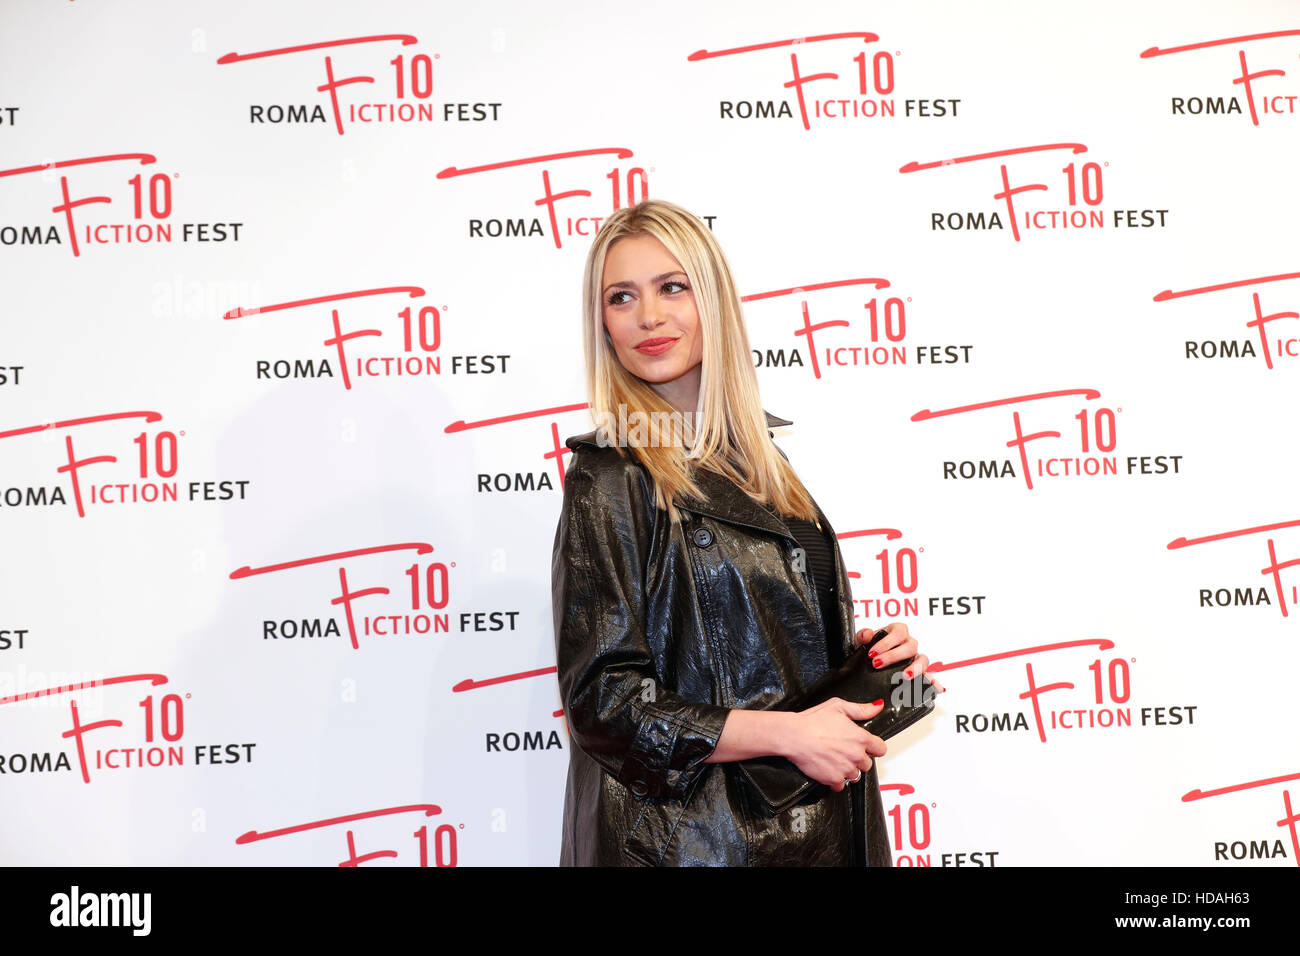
{"x":872,"y":653}
{"x":877,"y":662}
{"x":875,"y":702}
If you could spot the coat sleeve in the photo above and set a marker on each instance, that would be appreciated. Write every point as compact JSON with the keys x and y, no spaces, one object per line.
{"x":651,"y":740}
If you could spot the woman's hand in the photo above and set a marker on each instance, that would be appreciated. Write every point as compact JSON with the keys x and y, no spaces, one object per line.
{"x":822,"y":741}
{"x":826,"y":744}
{"x":897,"y":645}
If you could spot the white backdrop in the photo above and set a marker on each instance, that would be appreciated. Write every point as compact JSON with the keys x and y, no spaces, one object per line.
{"x":183,"y":220}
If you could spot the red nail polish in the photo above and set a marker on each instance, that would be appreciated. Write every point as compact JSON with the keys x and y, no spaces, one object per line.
{"x":907,"y":674}
{"x":875,"y":702}
{"x":877,"y":662}
{"x":872,"y":653}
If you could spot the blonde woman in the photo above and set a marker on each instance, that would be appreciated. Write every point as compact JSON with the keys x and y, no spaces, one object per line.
{"x":695,"y":583}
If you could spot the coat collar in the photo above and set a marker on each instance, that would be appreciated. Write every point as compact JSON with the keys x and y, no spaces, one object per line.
{"x":723,"y":499}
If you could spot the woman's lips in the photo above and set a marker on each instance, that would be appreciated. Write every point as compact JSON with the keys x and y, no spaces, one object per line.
{"x":655,"y":346}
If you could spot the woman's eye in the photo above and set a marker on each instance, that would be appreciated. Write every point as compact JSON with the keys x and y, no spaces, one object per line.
{"x":672,"y":287}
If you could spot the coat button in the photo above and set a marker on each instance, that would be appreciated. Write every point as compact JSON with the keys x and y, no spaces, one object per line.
{"x":703,"y":537}
{"x":639,"y":788}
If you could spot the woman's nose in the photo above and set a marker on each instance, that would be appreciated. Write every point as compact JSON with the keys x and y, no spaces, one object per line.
{"x":651,"y":312}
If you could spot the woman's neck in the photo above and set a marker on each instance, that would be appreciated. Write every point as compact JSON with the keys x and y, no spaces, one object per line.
{"x":682,"y":393}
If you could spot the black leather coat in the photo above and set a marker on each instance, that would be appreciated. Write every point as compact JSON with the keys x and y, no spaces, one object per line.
{"x":659,"y":631}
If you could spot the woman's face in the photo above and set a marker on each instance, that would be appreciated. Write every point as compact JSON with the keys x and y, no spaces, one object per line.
{"x":649,"y":312}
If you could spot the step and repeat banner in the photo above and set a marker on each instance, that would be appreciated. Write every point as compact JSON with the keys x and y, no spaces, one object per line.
{"x":291,"y":345}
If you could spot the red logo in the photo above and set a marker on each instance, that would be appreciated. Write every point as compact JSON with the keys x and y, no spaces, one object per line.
{"x":155,"y":462}
{"x":557,"y":449}
{"x":878,"y":338}
{"x":1273,"y":569}
{"x":1109,"y":707}
{"x":149,"y":199}
{"x":443,"y":841}
{"x":1265,"y":101}
{"x":1239,"y":850}
{"x":160,"y":725}
{"x":369,"y":99}
{"x":1078,"y":185}
{"x":1281,"y":348}
{"x":429,"y":588}
{"x":1097,"y":439}
{"x":566,"y":215}
{"x":861,"y":88}
{"x":911,"y":833}
{"x":420,"y":355}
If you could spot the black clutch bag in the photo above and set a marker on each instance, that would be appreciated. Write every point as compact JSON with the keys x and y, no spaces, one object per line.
{"x":779,"y":782}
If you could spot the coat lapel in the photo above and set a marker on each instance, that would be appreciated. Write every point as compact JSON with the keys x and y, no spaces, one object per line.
{"x":726,"y":502}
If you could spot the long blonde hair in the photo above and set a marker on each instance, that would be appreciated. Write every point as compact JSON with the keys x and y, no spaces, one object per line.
{"x":728,"y":434}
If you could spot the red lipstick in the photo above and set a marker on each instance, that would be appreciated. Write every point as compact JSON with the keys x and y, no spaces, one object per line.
{"x":656,"y":346}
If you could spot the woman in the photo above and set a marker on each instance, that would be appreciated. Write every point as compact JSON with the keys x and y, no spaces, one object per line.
{"x":683,"y":598}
